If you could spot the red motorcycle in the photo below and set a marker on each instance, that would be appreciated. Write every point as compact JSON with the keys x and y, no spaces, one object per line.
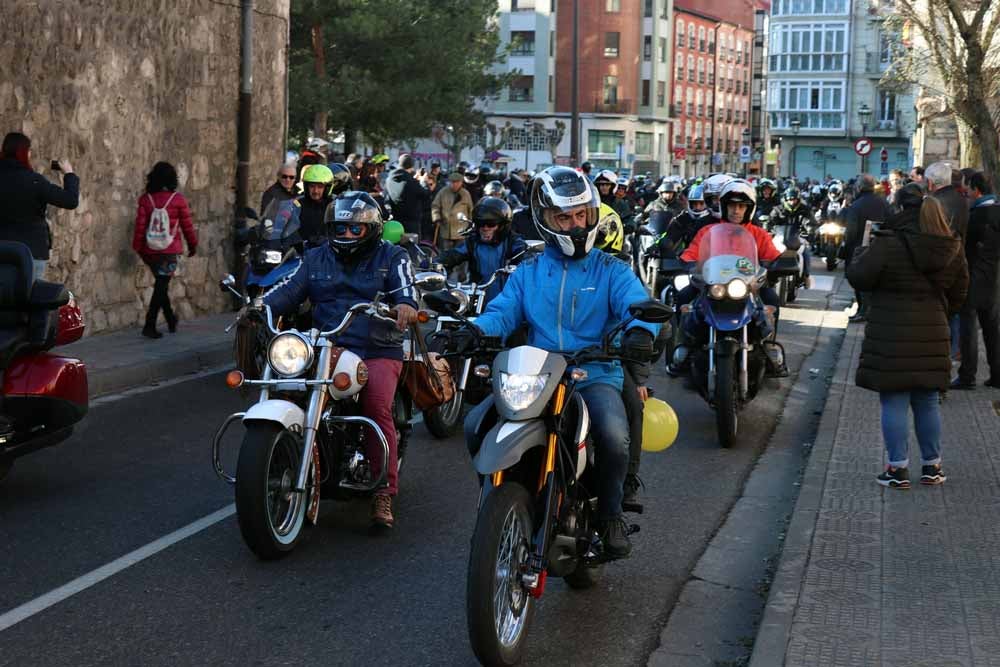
{"x":44,"y":394}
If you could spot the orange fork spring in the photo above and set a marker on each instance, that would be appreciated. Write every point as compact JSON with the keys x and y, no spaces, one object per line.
{"x":550,"y":454}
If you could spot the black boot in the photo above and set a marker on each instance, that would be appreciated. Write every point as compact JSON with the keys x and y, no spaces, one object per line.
{"x":631,"y":501}
{"x":614,"y":537}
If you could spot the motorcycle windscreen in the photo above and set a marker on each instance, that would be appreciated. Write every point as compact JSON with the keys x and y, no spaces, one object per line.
{"x":658,"y":221}
{"x":275,"y":275}
{"x":727,"y":251}
{"x":280,"y":225}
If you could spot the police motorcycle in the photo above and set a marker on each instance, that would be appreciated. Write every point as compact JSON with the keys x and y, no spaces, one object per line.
{"x":536,"y":513}
{"x":444,"y":420}
{"x":729,"y":325}
{"x":831,"y":230}
{"x":305,"y":436}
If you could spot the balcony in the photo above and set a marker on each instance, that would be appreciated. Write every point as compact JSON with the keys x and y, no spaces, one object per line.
{"x":615,"y":106}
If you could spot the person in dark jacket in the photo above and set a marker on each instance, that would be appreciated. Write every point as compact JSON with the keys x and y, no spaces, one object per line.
{"x":351,"y":268}
{"x":915,"y":272}
{"x":982,"y":251}
{"x":161,"y":193}
{"x":944,"y":182}
{"x":515,"y":185}
{"x":281,"y":190}
{"x":25,"y":195}
{"x":406,"y":195}
{"x":866,"y":206}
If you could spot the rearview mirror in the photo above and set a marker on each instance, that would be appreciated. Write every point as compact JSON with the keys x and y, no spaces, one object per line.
{"x":442,"y":301}
{"x":651,"y":311}
{"x":429,"y":280}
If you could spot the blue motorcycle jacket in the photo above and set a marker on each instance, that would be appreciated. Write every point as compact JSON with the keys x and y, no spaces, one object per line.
{"x":484,"y":259}
{"x":569,"y":304}
{"x":333,"y":286}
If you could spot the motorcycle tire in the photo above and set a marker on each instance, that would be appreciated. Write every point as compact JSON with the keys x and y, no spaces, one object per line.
{"x":445,"y":420}
{"x":793,"y":291}
{"x":831,"y":263}
{"x":270,"y":515}
{"x":503,"y":531}
{"x":783,"y":291}
{"x":726,"y":400}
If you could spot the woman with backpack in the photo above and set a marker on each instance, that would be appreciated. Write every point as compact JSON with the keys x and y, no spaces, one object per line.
{"x":162,"y":216}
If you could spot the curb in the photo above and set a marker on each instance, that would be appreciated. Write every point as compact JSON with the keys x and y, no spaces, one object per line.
{"x":775,"y":627}
{"x":115,"y":379}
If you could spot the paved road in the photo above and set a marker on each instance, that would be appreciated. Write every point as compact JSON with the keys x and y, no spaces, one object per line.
{"x":139,"y":469}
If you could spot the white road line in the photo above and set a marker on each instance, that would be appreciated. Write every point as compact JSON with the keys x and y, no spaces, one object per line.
{"x":53,"y":597}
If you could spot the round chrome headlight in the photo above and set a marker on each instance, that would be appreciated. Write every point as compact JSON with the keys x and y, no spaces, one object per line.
{"x":717,"y":291}
{"x":463,"y":300}
{"x":289,"y":354}
{"x":736,"y":289}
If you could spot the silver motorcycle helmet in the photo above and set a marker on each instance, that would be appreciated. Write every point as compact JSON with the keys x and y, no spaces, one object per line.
{"x":713,"y":186}
{"x":560,"y":190}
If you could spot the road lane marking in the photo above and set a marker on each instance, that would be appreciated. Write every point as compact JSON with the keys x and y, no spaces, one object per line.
{"x":53,"y":597}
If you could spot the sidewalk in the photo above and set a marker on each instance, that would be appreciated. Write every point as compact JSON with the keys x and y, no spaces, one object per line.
{"x":125,"y":359}
{"x":873,"y":576}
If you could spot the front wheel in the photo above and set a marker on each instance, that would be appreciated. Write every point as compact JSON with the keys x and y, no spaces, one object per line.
{"x":726,"y":400}
{"x":270,"y":513}
{"x":498,"y":607}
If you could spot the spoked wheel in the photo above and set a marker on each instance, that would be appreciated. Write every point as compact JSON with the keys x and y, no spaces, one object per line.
{"x":498,"y":607}
{"x":444,"y":420}
{"x":270,"y":513}
{"x":726,"y":400}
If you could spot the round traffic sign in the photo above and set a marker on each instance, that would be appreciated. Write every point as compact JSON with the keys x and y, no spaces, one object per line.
{"x":863,"y":146}
{"x":744,"y":151}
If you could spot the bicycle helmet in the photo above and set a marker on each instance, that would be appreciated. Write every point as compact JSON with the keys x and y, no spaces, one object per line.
{"x":492,"y":212}
{"x":561,"y":190}
{"x":696,"y":195}
{"x":610,"y":231}
{"x":739,"y":191}
{"x":494,"y":189}
{"x":353,"y":208}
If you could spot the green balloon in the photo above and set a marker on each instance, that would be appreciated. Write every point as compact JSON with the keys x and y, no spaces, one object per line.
{"x":392,"y":231}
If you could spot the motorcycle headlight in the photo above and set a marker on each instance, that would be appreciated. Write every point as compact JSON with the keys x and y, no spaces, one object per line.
{"x":831,"y":228}
{"x":736,"y":289}
{"x":289,"y":354}
{"x":519,"y":391}
{"x":272,"y":257}
{"x":463,"y":300}
{"x":717,"y":291}
{"x":779,"y":242}
{"x":681,"y":281}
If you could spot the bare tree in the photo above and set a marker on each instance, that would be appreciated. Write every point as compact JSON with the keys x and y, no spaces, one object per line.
{"x":953,"y":51}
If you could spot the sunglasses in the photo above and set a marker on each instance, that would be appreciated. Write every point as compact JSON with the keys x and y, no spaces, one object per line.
{"x":286,"y":177}
{"x":357,"y":230}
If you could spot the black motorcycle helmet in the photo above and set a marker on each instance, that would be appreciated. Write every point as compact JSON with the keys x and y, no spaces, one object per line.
{"x":353,"y":208}
{"x":492,"y":211}
{"x":792,"y":194}
{"x":342,"y":180}
{"x":462,"y":167}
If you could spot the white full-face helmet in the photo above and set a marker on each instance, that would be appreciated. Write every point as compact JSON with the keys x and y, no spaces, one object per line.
{"x":562,"y":190}
{"x":713,"y":186}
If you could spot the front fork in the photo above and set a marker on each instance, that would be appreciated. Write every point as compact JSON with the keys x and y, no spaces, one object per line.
{"x":314,"y":415}
{"x":744,"y":363}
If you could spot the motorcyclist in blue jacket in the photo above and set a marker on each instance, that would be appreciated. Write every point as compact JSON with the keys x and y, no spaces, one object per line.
{"x":570,"y":297}
{"x":351,"y":268}
{"x":490,"y":246}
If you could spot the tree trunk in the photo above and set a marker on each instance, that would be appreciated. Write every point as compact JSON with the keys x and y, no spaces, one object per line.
{"x":968,"y":143}
{"x":350,"y":140}
{"x":976,"y":112}
{"x":319,"y":68}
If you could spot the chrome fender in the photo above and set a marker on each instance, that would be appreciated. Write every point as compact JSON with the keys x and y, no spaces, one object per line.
{"x":285,"y":413}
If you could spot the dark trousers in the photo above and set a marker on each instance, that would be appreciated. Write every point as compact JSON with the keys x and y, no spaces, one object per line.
{"x":989,"y":320}
{"x":163,"y":267}
{"x":633,"y":412}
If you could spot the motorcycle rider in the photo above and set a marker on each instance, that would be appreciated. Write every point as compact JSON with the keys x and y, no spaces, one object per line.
{"x":350,"y":268}
{"x":321,"y":184}
{"x":799,"y":218}
{"x":498,"y":190}
{"x":767,"y":199}
{"x":666,"y":200}
{"x":593,"y":294}
{"x":682,"y":229}
{"x":491,"y":245}
{"x":607,"y":183}
{"x":834,"y":204}
{"x":712,"y":190}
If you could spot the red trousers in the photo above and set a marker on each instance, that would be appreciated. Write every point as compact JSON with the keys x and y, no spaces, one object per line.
{"x":376,"y":403}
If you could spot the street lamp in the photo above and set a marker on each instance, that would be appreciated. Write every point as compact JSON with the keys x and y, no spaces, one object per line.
{"x":527,"y":126}
{"x":795,"y":124}
{"x":865,"y":113}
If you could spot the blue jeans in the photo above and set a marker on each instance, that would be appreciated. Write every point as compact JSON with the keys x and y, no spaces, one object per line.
{"x":896,"y":429}
{"x":40,"y":265}
{"x":955,"y":326}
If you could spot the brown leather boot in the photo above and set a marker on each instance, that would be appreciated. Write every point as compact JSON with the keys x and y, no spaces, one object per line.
{"x":381,"y":515}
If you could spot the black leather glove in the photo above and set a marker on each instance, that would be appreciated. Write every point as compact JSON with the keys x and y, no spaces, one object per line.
{"x":465,"y":340}
{"x":638,"y":349}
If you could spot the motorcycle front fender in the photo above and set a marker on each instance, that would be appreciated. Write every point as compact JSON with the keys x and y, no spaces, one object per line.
{"x":285,"y":413}
{"x":506,"y":443}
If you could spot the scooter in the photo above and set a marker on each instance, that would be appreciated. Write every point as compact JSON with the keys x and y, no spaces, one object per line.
{"x":44,"y":395}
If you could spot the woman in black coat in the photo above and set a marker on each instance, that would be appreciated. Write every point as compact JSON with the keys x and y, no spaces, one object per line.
{"x":916,"y":273}
{"x":25,"y":195}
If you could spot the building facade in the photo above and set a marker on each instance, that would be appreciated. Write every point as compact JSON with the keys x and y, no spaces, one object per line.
{"x":826,"y":58}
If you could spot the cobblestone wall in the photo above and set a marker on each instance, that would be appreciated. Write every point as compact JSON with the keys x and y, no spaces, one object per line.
{"x":115,"y":86}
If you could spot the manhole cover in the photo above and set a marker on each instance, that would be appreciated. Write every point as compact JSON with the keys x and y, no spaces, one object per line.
{"x":841,"y":597}
{"x":844,"y":565}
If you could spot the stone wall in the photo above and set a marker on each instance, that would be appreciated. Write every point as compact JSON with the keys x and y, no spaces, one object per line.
{"x":117,"y":85}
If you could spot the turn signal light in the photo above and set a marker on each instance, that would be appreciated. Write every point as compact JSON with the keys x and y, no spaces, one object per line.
{"x":342,"y":381}
{"x":423,"y":316}
{"x":234,"y":379}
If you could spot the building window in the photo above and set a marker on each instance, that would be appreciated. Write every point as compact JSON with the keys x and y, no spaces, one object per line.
{"x":886,"y":118}
{"x":645,"y":92}
{"x":610,"y":89}
{"x":664,"y":11}
{"x":605,"y":141}
{"x":662,"y":49}
{"x":699,"y":99}
{"x":692,"y":38}
{"x":808,"y":47}
{"x":613,"y":6}
{"x":711,"y":73}
{"x":680,"y":68}
{"x":522,"y":5}
{"x":691,"y":68}
{"x":661,"y":94}
{"x":522,"y":89}
{"x":611,"y":44}
{"x":680,"y":34}
{"x":522,"y":43}
{"x":552,"y":90}
{"x":644,"y":143}
{"x":647,"y":48}
{"x":701,"y":70}
{"x":701,"y":38}
{"x":807,"y":7}
{"x":552,"y":43}
{"x":647,"y":9}
{"x":815,"y":104}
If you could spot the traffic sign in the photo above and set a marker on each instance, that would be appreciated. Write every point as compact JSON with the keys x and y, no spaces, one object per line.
{"x":885,"y":168}
{"x":884,"y":154}
{"x":680,"y":153}
{"x":745,"y":153}
{"x":863,"y":146}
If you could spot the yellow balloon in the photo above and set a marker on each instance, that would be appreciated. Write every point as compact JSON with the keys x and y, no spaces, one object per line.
{"x":659,"y":425}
